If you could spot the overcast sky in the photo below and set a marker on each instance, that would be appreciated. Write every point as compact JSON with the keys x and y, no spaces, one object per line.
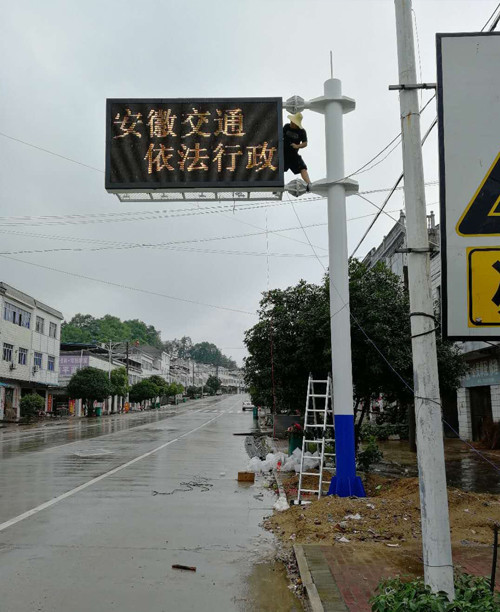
{"x":62,"y":59}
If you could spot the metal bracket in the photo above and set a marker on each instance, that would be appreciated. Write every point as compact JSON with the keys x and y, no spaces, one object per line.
{"x":413,"y":86}
{"x":296,"y":104}
{"x":351,"y":186}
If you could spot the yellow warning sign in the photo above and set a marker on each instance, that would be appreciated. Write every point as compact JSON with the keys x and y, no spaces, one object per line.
{"x":482,"y":215}
{"x":483,"y":280}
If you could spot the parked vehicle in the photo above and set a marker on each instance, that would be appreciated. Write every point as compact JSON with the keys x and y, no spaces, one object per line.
{"x":247,"y":406}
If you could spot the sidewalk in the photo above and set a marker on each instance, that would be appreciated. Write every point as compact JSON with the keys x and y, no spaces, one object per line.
{"x":354,"y":573}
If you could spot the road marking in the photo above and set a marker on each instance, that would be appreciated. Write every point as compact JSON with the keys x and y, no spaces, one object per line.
{"x":89,"y":483}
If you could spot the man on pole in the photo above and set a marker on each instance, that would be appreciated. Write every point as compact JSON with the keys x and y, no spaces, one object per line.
{"x":295,"y":138}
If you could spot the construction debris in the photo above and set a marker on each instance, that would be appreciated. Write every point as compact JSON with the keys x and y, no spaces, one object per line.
{"x":390,"y":514}
{"x":189,"y":568}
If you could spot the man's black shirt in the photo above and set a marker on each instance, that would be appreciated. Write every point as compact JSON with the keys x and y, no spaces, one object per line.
{"x":292,"y":136}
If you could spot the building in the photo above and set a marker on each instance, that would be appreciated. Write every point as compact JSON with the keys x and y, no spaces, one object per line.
{"x":29,"y":336}
{"x":478,"y":398}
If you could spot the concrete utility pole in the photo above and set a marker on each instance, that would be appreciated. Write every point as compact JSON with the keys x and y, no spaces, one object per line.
{"x":333,"y":105}
{"x":438,"y":565}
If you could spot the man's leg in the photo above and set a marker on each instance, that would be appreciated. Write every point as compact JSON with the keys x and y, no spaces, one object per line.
{"x":304,"y":174}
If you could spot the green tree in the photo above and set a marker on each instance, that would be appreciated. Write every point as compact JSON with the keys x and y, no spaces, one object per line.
{"x":119,"y":383}
{"x":213,"y":384}
{"x":85,"y":328}
{"x":161,"y":385}
{"x":142,"y":391}
{"x":192,"y":392}
{"x":91,"y":385}
{"x":31,"y":405}
{"x":294,"y":327}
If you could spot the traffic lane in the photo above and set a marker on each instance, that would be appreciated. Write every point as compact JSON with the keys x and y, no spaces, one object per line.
{"x":30,"y":479}
{"x":111,"y":546}
{"x":25,"y":440}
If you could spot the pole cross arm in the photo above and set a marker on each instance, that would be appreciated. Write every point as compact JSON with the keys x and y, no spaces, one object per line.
{"x":351,"y":186}
{"x":296,"y":104}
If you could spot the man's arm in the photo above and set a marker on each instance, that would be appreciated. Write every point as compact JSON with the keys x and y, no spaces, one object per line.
{"x":302,"y":145}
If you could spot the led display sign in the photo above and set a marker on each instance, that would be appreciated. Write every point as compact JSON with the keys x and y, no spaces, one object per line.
{"x":161,"y":144}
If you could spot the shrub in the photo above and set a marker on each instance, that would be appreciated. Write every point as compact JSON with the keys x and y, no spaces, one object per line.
{"x":369,"y":455}
{"x":31,"y":405}
{"x":472,"y":593}
{"x":384,"y":430}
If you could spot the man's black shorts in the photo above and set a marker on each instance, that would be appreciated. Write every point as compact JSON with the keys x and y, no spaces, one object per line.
{"x":295,"y":163}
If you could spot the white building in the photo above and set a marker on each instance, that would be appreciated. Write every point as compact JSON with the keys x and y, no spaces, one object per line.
{"x":29,"y":338}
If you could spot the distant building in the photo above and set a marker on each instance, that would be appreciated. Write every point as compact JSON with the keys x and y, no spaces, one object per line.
{"x":29,"y":335}
{"x":478,"y":398}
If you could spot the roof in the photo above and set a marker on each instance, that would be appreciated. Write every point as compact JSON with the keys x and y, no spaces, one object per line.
{"x":10,"y":291}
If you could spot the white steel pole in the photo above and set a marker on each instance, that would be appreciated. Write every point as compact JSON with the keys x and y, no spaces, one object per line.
{"x":345,"y":482}
{"x":438,"y":566}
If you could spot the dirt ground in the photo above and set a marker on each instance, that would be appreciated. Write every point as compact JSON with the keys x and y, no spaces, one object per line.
{"x":388,"y":516}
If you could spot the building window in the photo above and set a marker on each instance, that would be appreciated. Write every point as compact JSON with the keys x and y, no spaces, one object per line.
{"x":7,"y":352}
{"x":40,"y":324}
{"x":51,"y":363}
{"x":23,"y":356}
{"x":52,"y":330}
{"x":38,"y":360}
{"x":16,"y":315}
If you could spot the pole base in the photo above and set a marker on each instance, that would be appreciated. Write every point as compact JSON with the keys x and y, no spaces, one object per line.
{"x":350,"y":486}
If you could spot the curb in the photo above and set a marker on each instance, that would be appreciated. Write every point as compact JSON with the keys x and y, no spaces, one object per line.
{"x":307,"y":581}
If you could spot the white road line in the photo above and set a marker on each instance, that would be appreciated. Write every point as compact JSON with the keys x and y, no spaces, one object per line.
{"x":59,"y":498}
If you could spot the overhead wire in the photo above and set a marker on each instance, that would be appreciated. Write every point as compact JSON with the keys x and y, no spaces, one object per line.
{"x":431,"y":127}
{"x":128,"y":287}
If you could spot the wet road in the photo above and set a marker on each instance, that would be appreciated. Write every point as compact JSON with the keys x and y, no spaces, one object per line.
{"x":93,"y":515}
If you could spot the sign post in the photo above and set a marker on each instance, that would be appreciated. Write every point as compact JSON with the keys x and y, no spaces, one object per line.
{"x":333,"y":105}
{"x":469,"y":159}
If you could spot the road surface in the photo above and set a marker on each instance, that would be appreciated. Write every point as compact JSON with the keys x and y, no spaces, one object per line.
{"x":94,"y":514}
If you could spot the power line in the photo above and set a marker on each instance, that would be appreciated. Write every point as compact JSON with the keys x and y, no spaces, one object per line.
{"x":433,"y":124}
{"x":33,"y":146}
{"x":121,"y":286}
{"x":490,"y":18}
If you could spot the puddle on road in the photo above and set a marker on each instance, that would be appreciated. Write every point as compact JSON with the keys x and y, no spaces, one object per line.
{"x":267,"y":590}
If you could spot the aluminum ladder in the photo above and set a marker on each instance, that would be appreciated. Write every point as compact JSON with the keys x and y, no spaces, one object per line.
{"x":318,"y":423}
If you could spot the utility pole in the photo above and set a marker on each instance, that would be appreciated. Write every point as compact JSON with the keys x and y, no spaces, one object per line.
{"x":438,"y":565}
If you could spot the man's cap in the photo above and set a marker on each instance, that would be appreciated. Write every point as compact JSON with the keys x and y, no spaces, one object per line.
{"x":297,"y":119}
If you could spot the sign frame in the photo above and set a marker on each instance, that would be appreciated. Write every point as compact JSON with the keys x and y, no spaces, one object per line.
{"x":447,"y":224}
{"x":203,"y":186}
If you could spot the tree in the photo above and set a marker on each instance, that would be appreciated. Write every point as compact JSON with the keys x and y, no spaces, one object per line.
{"x":142,"y":391}
{"x":31,"y":405}
{"x":192,"y":392}
{"x":213,"y":384}
{"x":91,"y":385}
{"x":174,"y":389}
{"x":87,"y":329}
{"x":161,"y":385}
{"x":294,"y":327}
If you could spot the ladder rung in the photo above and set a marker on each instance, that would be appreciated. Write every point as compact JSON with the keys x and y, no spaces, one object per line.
{"x":315,"y":410}
{"x":319,"y":381}
{"x":323,"y":395}
{"x":310,"y":474}
{"x":312,"y":425}
{"x":308,"y":490}
{"x":329,"y":455}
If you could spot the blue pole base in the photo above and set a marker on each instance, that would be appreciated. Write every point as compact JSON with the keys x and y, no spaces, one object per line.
{"x":347,"y":486}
